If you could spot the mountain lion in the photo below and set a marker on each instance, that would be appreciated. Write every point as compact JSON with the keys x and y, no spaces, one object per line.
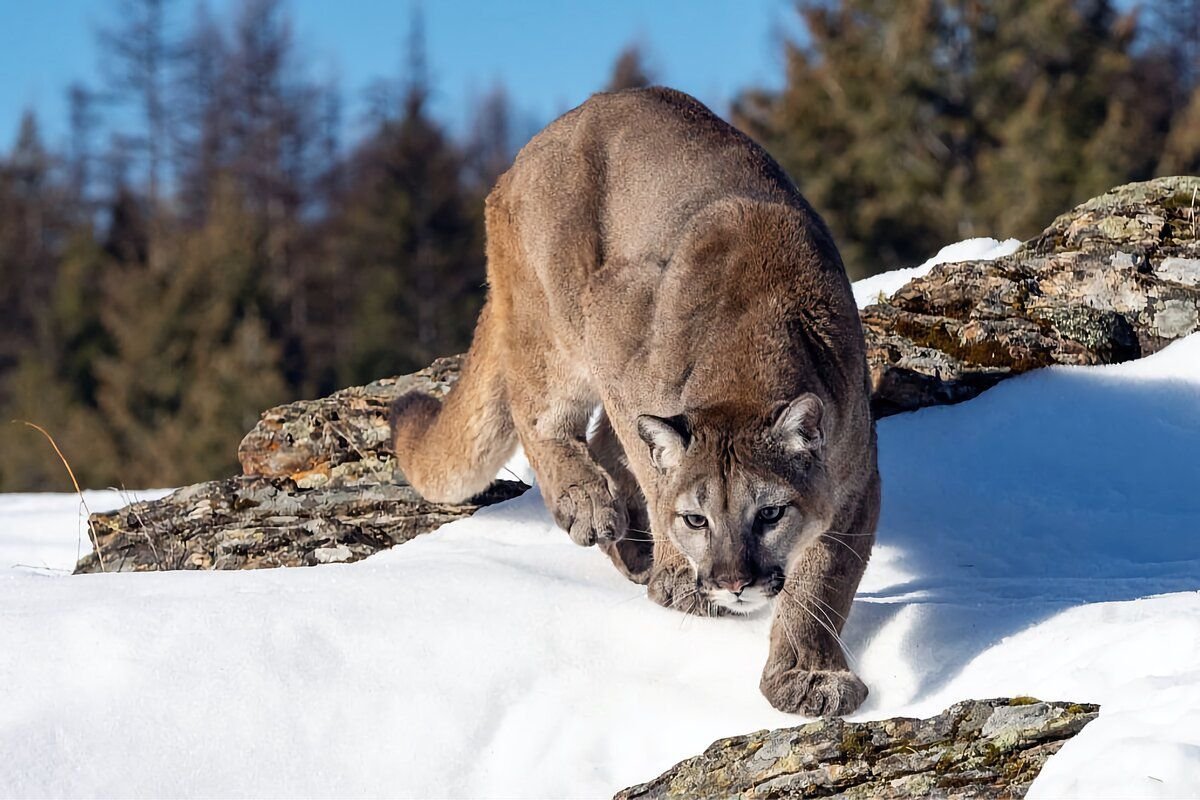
{"x":653,"y":272}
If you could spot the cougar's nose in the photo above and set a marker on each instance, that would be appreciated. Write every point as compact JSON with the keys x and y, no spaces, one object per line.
{"x":734,"y":585}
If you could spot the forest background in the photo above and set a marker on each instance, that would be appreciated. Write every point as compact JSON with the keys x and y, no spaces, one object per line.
{"x":217,"y":247}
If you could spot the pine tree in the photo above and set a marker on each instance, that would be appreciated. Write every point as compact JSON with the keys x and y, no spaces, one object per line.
{"x":37,"y":394}
{"x":202,"y":103}
{"x":53,"y":384}
{"x":32,"y":225}
{"x":910,"y":125}
{"x":630,"y":71}
{"x":191,"y":364}
{"x":1181,"y":153}
{"x":410,"y":248}
{"x":83,"y":122}
{"x":138,"y":54}
{"x":276,"y":137}
{"x":491,"y":144}
{"x":1175,"y":34}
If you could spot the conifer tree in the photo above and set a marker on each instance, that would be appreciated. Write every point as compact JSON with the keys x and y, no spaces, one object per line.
{"x":138,"y":55}
{"x":910,"y":125}
{"x":202,"y":102}
{"x":226,"y":251}
{"x":191,"y":364}
{"x":32,"y":222}
{"x":53,"y":384}
{"x":1181,"y":153}
{"x":410,"y":249}
{"x":630,"y":70}
{"x":491,"y":144}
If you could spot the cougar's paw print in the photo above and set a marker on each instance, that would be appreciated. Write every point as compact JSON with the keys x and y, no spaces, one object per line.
{"x":814,"y":693}
{"x":590,"y":513}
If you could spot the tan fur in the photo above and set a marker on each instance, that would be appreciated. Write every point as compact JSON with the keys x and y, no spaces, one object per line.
{"x":646,"y":258}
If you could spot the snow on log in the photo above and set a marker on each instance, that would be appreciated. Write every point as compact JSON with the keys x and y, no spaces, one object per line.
{"x":1115,"y":279}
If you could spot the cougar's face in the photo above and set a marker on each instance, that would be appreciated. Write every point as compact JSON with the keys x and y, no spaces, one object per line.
{"x":740,"y":500}
{"x":738,"y":530}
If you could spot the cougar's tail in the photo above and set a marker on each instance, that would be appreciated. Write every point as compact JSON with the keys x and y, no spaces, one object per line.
{"x":450,"y":450}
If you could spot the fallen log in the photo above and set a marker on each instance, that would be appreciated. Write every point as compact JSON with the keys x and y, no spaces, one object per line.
{"x":974,"y":749}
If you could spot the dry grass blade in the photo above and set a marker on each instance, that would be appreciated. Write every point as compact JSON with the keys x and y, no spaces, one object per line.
{"x":131,"y":504}
{"x":75,"y":483}
{"x":1193,"y":211}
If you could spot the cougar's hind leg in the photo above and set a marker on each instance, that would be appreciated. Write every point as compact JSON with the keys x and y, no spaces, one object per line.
{"x":631,"y":554}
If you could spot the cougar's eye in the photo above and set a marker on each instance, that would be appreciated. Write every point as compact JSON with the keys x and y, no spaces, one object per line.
{"x":695,"y":521}
{"x":770,"y":514}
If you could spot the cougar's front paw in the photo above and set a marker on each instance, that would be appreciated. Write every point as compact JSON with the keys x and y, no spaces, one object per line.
{"x":589,"y":513}
{"x":675,"y":587}
{"x":814,"y":693}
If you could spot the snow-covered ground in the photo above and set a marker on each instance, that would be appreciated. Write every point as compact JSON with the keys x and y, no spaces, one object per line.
{"x":1042,"y":539}
{"x":47,"y":533}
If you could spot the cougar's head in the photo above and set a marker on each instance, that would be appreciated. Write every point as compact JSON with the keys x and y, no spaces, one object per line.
{"x":740,"y":495}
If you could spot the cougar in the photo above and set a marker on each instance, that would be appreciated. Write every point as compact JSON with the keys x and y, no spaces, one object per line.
{"x":657,"y":281}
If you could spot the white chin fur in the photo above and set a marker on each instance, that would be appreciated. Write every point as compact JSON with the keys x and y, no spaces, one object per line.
{"x":748,"y":602}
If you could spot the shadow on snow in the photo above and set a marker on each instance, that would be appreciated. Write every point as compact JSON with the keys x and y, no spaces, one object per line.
{"x":1056,"y":489}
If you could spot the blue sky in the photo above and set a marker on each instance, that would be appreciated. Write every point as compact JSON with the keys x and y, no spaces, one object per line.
{"x":549,"y":54}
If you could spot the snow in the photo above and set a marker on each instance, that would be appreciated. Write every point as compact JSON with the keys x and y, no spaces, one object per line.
{"x":869,"y":290}
{"x":1039,"y":540}
{"x":48,"y":532}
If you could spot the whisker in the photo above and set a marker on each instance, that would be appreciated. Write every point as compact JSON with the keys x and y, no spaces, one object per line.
{"x":846,"y":651}
{"x":843,"y":544}
{"x":836,"y":636}
{"x":826,"y":625}
{"x":693,"y":603}
{"x":686,"y":604}
{"x":821,"y":611}
{"x":831,"y":608}
{"x":807,"y":610}
{"x":810,"y":595}
{"x":626,"y":600}
{"x":787,"y":631}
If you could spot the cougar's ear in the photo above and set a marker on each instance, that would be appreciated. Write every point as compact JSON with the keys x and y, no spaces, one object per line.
{"x":798,"y":424}
{"x":667,"y":438}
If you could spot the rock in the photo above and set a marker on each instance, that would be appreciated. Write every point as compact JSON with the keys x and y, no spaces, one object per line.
{"x":974,"y":749}
{"x":251,"y":522}
{"x":320,"y":487}
{"x":345,"y":433}
{"x":1115,"y":279}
